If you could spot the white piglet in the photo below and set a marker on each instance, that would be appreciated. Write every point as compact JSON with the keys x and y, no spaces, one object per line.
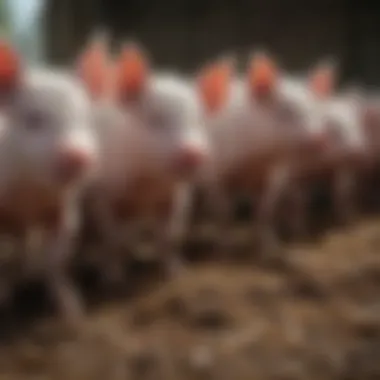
{"x":48,"y":152}
{"x":155,"y":143}
{"x":266,"y":129}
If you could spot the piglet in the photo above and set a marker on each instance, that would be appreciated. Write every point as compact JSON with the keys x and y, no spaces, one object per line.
{"x":348,"y":152}
{"x":344,"y":148}
{"x":48,"y":154}
{"x":152,"y":128}
{"x":265,"y":129}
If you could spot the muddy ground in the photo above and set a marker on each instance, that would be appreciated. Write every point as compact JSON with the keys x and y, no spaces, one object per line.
{"x":313,"y":313}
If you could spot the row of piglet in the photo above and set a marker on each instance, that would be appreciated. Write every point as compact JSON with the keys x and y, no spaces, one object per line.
{"x":111,"y":141}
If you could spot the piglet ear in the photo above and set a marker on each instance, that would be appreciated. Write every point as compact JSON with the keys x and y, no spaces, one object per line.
{"x":10,"y":68}
{"x":131,"y":72}
{"x":93,"y":66}
{"x":262,"y":75}
{"x":322,"y":80}
{"x":214,"y":84}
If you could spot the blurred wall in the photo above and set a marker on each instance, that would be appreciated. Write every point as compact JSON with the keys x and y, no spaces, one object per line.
{"x":186,"y":33}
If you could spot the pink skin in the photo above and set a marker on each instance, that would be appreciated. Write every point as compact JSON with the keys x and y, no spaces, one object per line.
{"x":48,"y":153}
{"x":156,"y":144}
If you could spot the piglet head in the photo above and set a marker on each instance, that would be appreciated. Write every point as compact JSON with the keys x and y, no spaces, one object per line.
{"x":54,"y":125}
{"x":48,"y":121}
{"x":166,"y":109}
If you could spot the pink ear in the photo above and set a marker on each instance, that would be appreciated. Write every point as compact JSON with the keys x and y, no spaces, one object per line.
{"x":93,"y":67}
{"x":322,"y":81}
{"x":214,"y":84}
{"x":132,"y":72}
{"x":10,"y":67}
{"x":262,"y":75}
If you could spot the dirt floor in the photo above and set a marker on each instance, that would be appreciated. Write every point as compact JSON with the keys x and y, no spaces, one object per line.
{"x":312,"y":314}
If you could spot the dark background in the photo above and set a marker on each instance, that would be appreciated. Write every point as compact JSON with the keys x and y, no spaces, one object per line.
{"x":186,"y":33}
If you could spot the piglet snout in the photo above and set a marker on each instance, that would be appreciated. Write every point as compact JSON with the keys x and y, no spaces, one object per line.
{"x":190,"y":157}
{"x":73,"y":163}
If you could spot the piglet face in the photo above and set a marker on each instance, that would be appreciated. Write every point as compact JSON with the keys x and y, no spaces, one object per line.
{"x":339,"y":115}
{"x":50,"y":132}
{"x":304,"y":113}
{"x":280,"y":104}
{"x":172,"y":111}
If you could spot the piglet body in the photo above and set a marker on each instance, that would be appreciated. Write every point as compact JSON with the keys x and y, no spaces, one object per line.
{"x":48,"y":153}
{"x":156,"y":144}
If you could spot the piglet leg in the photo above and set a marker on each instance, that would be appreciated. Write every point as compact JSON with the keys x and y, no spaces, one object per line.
{"x":112,"y":238}
{"x":60,"y":250}
{"x":221,"y":207}
{"x":12,"y":251}
{"x":298,"y":199}
{"x":172,"y":233}
{"x":277,"y":183}
{"x":344,"y":189}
